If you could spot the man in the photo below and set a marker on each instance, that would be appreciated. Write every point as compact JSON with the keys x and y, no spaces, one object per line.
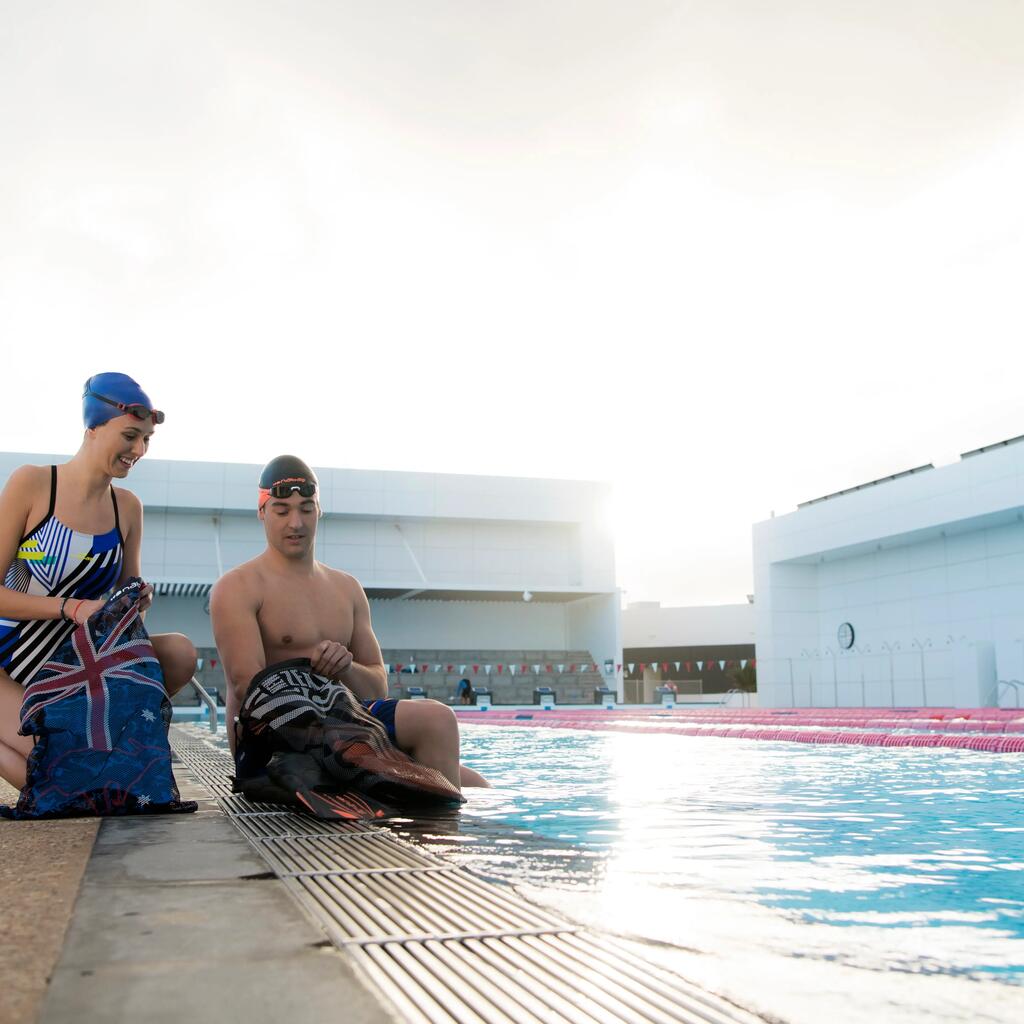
{"x":284,"y":604}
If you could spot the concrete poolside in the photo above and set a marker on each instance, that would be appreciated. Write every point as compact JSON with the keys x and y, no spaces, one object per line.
{"x":178,"y":917}
{"x":159,"y":919}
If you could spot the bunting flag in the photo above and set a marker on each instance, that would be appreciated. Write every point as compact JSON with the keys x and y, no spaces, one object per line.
{"x":536,"y":670}
{"x":549,"y":669}
{"x":387,"y":668}
{"x":689,"y":666}
{"x":399,"y":667}
{"x":721,"y":665}
{"x":630,"y":667}
{"x":487,"y":669}
{"x":664,"y":666}
{"x":424,"y":668}
{"x":437,"y":668}
{"x":643,"y":665}
{"x":511,"y":670}
{"x":476,"y":669}
{"x":753,"y":662}
{"x":743,"y":662}
{"x":561,"y":670}
{"x":572,"y":668}
{"x":451,"y":668}
{"x":700,"y":666}
{"x":500,"y":667}
{"x":213,"y":663}
{"x":677,"y":664}
{"x":619,"y":668}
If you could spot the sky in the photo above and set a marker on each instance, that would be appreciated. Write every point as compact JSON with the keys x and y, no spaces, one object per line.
{"x":725,"y":254}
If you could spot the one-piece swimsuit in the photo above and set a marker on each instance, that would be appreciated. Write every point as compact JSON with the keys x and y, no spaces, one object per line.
{"x":55,"y":561}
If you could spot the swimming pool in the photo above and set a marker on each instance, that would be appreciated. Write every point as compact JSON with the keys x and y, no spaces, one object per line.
{"x":815,"y":883}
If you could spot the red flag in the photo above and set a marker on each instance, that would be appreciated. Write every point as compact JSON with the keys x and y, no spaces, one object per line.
{"x":524,"y":668}
{"x":499,"y":669}
{"x":549,"y":668}
{"x":643,"y":665}
{"x":664,"y":666}
{"x":424,"y":668}
{"x":688,"y":664}
{"x":451,"y":668}
{"x":476,"y":669}
{"x":618,"y":668}
{"x":213,"y":663}
{"x":572,"y":668}
{"x":399,"y":667}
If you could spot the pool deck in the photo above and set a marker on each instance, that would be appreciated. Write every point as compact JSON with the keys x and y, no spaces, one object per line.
{"x":120,"y":912}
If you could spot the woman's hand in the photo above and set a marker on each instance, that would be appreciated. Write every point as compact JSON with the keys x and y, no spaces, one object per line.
{"x":82,"y":611}
{"x":145,"y":598}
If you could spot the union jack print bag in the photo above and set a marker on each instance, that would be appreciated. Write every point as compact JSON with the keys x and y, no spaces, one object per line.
{"x":99,"y":714}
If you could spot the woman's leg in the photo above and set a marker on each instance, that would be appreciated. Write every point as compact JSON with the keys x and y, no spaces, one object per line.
{"x":177,"y":657}
{"x":14,"y":749}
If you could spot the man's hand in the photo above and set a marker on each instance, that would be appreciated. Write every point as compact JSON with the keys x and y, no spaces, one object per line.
{"x":331,"y":659}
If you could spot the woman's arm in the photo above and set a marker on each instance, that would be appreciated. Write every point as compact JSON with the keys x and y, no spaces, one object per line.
{"x":129,"y":512}
{"x":17,"y":501}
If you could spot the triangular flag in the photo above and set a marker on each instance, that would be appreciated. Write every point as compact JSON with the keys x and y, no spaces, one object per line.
{"x":743,"y":662}
{"x":399,"y":667}
{"x":664,"y":666}
{"x":511,"y":670}
{"x":424,"y":668}
{"x":536,"y":670}
{"x":572,"y":668}
{"x":437,"y":668}
{"x":549,"y":669}
{"x":753,"y":662}
{"x":387,"y":668}
{"x":689,"y":666}
{"x":643,"y":665}
{"x":476,"y":668}
{"x":630,"y":667}
{"x":721,"y":665}
{"x":462,"y":670}
{"x":700,"y":666}
{"x":619,"y":669}
{"x":561,"y":670}
{"x":451,"y":668}
{"x":500,"y":667}
{"x":677,"y":664}
{"x":487,"y":669}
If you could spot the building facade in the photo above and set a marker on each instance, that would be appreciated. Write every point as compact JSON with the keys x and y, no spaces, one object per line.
{"x":907,"y":591}
{"x":503,"y":580}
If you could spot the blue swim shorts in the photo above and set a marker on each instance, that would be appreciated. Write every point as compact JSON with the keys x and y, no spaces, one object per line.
{"x":384,"y":711}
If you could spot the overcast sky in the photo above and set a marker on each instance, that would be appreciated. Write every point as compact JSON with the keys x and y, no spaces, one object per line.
{"x":729,"y":255}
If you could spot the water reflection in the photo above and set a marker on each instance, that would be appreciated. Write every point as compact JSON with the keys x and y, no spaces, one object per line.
{"x":886,"y":859}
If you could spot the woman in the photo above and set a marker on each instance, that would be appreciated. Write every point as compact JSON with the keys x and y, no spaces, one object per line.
{"x":69,"y":536}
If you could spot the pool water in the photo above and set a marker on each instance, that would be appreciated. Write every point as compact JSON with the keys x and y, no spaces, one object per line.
{"x":809,"y":882}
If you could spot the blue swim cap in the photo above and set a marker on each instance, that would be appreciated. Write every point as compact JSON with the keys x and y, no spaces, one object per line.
{"x":117,"y":387}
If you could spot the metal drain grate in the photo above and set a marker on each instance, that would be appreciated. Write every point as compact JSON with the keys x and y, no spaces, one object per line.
{"x":444,"y":946}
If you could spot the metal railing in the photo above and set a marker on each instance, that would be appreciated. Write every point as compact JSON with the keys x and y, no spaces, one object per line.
{"x":210,"y":703}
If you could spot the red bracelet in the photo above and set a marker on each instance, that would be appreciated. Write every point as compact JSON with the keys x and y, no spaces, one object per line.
{"x":74,"y":614}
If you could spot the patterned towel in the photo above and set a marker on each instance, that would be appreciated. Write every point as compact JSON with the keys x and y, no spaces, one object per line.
{"x":99,"y":714}
{"x":305,"y":740}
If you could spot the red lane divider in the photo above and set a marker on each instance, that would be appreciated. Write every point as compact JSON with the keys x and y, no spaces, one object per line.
{"x":996,"y":744}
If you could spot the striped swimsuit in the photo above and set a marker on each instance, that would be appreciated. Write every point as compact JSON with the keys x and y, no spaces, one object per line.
{"x":55,"y":561}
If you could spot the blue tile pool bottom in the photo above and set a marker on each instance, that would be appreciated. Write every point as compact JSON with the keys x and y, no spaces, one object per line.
{"x":835,"y":864}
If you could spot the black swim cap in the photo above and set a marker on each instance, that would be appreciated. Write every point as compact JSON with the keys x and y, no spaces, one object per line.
{"x":283,"y":471}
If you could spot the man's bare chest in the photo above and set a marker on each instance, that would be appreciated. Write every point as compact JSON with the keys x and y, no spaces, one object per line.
{"x":294,"y":619}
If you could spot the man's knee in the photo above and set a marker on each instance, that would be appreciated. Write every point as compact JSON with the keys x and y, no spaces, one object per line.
{"x":418,"y":721}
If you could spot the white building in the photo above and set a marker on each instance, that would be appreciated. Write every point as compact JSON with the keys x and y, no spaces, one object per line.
{"x":907,"y":591}
{"x":702,"y":649}
{"x":446,"y":561}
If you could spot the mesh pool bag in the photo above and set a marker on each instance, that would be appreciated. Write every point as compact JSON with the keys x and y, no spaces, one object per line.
{"x":305,"y":740}
{"x":99,"y":714}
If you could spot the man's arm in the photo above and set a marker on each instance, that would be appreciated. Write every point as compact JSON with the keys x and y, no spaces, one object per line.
{"x":233,"y":608}
{"x":365,"y":677}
